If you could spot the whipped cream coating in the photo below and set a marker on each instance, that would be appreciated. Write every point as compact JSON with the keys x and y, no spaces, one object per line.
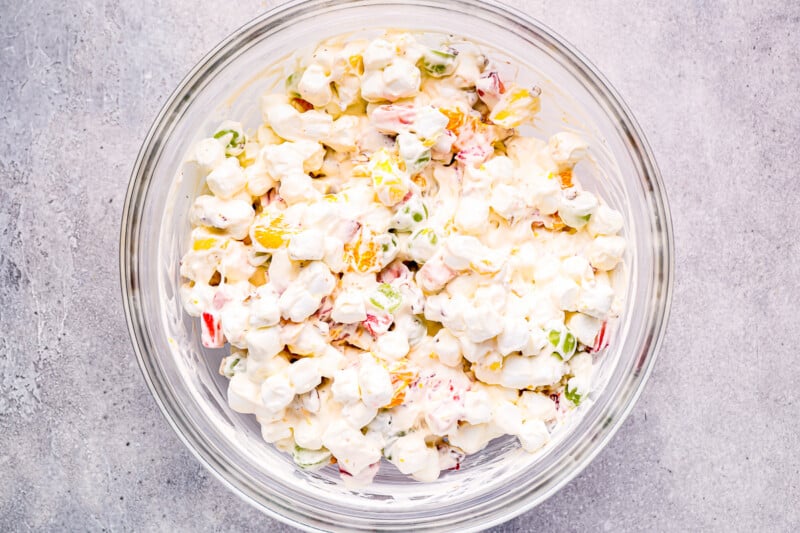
{"x":398,"y":271}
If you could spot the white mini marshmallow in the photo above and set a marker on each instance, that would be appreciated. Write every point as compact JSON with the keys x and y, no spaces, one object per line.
{"x":584,"y":327}
{"x":314,"y":86}
{"x":264,"y":343}
{"x":392,"y":345}
{"x":378,"y":54}
{"x":520,"y":372}
{"x":447,"y":348}
{"x":472,"y":215}
{"x":304,"y":375}
{"x":477,"y":407}
{"x":307,"y":245}
{"x":515,"y":335}
{"x":264,"y":310}
{"x":375,"y":383}
{"x":605,"y":253}
{"x":209,"y":153}
{"x":564,"y":292}
{"x":297,"y":304}
{"x":605,"y":221}
{"x":345,"y":386}
{"x":227,"y":179}
{"x":533,"y":435}
{"x":596,"y":301}
{"x":277,"y":392}
{"x":349,"y":308}
{"x":567,"y":148}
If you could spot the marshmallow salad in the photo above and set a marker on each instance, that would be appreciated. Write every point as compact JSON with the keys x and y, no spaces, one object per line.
{"x":400,"y":271}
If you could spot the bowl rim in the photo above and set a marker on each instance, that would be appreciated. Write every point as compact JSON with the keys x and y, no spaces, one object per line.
{"x":139,"y":184}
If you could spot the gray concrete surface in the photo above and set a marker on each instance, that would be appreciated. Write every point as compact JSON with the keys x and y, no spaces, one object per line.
{"x":713,"y":442}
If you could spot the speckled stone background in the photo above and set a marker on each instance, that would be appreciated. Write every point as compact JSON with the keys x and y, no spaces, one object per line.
{"x":713,"y":442}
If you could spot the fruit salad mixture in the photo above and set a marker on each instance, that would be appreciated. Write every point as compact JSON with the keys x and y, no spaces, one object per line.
{"x":398,"y":271}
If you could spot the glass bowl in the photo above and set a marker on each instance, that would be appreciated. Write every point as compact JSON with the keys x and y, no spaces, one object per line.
{"x":493,"y":485}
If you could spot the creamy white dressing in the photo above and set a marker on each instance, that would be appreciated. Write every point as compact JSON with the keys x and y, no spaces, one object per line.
{"x":398,"y":272}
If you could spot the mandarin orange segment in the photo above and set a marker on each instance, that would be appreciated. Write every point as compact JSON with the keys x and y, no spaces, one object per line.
{"x":357,"y":64}
{"x":455,"y":118}
{"x":565,"y":177}
{"x":401,"y":379}
{"x":362,"y":253}
{"x":272,"y":232}
{"x":204,"y":244}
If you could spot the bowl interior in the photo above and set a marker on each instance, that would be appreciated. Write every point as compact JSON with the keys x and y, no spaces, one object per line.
{"x":492,"y":485}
